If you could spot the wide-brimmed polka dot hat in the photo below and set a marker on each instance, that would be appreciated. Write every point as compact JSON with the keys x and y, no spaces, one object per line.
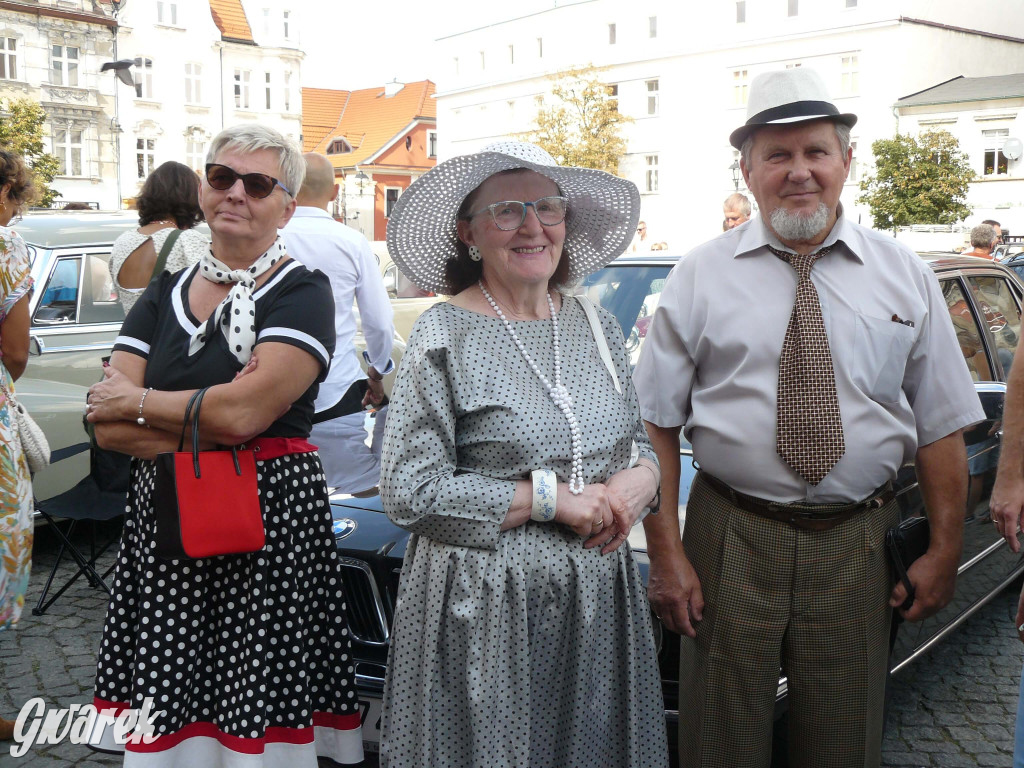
{"x":603,"y":211}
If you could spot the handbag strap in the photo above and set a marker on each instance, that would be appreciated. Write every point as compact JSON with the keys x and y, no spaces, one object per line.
{"x":188,"y":414}
{"x":599,"y":337}
{"x":161,"y":258}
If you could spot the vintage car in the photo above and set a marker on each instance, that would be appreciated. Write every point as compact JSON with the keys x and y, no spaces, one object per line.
{"x":75,"y":317}
{"x":984,"y":301}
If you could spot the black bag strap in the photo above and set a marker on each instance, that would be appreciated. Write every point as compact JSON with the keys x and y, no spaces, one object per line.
{"x":188,"y":415}
{"x":893,"y":542}
{"x":161,"y":258}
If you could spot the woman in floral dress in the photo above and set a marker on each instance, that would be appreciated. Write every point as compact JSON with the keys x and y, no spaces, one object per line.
{"x":16,"y":191}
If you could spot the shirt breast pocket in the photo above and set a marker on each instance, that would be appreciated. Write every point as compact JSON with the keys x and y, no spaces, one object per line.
{"x":880,"y":353}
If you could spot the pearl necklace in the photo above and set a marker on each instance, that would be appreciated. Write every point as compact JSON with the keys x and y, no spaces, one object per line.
{"x":558,"y":393}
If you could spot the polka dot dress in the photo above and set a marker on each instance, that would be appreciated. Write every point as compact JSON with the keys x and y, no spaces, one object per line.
{"x":520,"y":647}
{"x":242,"y":652}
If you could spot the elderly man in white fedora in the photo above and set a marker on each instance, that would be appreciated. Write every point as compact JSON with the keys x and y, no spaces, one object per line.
{"x":800,"y":416}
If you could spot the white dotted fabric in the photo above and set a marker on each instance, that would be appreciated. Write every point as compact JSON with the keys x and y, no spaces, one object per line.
{"x":603,"y":211}
{"x":246,"y":642}
{"x":809,"y":428}
{"x":520,"y":647}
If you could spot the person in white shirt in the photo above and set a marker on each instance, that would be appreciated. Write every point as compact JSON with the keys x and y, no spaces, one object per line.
{"x":318,"y":241}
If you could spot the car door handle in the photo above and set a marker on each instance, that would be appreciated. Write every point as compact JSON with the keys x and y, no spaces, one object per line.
{"x":35,"y":345}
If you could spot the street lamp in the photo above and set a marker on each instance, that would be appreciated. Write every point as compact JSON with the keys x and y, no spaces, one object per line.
{"x":735,"y":168}
{"x":361,"y":181}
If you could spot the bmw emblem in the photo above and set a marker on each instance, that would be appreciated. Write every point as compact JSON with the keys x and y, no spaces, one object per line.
{"x":344,"y":527}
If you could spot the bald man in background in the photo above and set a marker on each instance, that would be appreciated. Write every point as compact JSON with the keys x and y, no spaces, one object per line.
{"x":316,"y":240}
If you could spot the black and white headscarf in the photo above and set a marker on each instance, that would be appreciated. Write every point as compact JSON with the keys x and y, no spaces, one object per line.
{"x":236,"y":315}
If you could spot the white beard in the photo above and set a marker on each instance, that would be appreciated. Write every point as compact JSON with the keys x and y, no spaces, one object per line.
{"x":797,"y":228}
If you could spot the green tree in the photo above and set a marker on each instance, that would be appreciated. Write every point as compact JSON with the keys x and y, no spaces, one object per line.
{"x":21,"y":132}
{"x":581,"y":124}
{"x":917,"y":180}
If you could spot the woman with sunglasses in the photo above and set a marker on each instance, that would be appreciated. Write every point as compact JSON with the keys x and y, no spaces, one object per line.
{"x":246,"y":656}
{"x":518,"y":460}
{"x":167,"y":204}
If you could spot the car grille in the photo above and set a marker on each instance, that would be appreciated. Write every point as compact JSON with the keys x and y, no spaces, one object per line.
{"x":366,"y":618}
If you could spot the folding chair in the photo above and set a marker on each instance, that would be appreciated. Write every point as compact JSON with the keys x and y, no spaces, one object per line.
{"x":99,"y":497}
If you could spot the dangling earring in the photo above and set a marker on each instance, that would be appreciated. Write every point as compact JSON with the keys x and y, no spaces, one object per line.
{"x":474,"y":253}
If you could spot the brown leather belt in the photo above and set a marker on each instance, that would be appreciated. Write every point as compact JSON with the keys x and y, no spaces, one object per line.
{"x":808,"y":517}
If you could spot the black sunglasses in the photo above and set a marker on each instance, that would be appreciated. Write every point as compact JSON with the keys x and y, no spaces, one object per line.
{"x":257,"y":185}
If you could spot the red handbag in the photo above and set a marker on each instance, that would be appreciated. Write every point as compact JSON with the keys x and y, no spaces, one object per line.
{"x":206,"y":502}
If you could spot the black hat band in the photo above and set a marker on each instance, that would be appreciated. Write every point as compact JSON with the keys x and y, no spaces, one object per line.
{"x":795,"y":109}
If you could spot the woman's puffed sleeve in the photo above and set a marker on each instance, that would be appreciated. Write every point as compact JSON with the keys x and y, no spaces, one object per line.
{"x":421,"y":486}
{"x":15,"y":270}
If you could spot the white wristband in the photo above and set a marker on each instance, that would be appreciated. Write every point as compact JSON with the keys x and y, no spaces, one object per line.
{"x":545,"y":492}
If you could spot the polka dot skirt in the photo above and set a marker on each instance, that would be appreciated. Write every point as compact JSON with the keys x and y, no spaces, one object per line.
{"x":248,"y":649}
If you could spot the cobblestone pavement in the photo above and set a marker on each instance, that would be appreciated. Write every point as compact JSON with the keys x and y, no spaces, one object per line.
{"x":954,"y":707}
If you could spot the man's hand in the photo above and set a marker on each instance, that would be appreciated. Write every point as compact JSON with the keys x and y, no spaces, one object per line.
{"x":374,"y":387}
{"x":934,"y":578}
{"x":674,"y":593}
{"x":1007,"y":505}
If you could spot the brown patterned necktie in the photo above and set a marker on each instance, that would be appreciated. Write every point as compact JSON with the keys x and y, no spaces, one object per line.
{"x":809,"y":429}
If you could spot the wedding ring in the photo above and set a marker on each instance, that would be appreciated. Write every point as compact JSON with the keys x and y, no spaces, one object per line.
{"x":599,"y":522}
{"x":87,"y":408}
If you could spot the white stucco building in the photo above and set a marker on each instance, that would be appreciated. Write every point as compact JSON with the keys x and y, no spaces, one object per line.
{"x":682,"y":71}
{"x":50,"y":53}
{"x":200,"y":66}
{"x":984,"y":113}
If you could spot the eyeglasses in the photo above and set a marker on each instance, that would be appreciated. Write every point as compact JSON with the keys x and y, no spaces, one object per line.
{"x":257,"y":185}
{"x":510,"y":214}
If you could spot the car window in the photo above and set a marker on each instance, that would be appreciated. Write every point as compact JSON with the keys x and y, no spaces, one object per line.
{"x":967,"y":332}
{"x":996,"y":301}
{"x":631,"y":293}
{"x":401,"y":287}
{"x":99,"y":297}
{"x":59,"y":301}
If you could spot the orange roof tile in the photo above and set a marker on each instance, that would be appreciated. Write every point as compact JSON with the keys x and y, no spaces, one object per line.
{"x":369,"y":120}
{"x":229,"y":16}
{"x":321,"y":111}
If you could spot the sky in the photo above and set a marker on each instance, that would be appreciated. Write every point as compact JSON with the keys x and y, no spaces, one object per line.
{"x":368,"y":44}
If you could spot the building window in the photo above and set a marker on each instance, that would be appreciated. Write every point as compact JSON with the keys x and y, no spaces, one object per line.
{"x":651,"y":174}
{"x":67,"y":146}
{"x":143,"y":78}
{"x":455,"y":63}
{"x":652,"y":97}
{"x":850,"y":76}
{"x":8,"y":58}
{"x":195,"y":154}
{"x":390,"y":198}
{"x":511,"y":54}
{"x":652,"y":26}
{"x":267,"y":87}
{"x":613,"y":90}
{"x":145,"y":156}
{"x":287,"y":19}
{"x":741,"y":11}
{"x":483,"y":61}
{"x":431,"y":143}
{"x":167,"y":13}
{"x":794,"y":7}
{"x":851,"y":3}
{"x":287,"y":91}
{"x":853,"y":163}
{"x":611,"y":34}
{"x":266,"y":22}
{"x":540,"y":47}
{"x":241,"y":89}
{"x":338,"y":147}
{"x":193,"y":83}
{"x":740,"y":86}
{"x":794,"y":65}
{"x":995,"y":161}
{"x":64,"y":65}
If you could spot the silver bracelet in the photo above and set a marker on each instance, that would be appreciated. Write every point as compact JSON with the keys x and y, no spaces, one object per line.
{"x":141,"y":421}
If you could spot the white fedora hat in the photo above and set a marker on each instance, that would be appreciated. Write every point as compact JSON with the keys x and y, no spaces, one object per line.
{"x":602,"y":212}
{"x":787,"y":96}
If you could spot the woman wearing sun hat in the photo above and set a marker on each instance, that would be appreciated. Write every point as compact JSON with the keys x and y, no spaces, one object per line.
{"x":522,"y":636}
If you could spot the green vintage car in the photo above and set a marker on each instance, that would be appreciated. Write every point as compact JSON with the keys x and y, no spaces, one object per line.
{"x":75,"y":318}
